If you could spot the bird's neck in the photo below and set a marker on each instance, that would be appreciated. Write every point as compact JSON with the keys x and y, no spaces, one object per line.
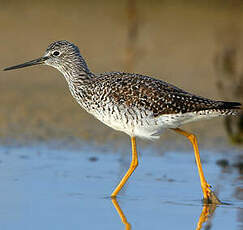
{"x":78,"y":77}
{"x":76,"y":72}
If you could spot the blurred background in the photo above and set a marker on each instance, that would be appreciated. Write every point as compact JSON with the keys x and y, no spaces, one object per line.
{"x":195,"y":45}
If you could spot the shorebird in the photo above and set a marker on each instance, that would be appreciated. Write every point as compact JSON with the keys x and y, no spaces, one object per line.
{"x":139,"y":105}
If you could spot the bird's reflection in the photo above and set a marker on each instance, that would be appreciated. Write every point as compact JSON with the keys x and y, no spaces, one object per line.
{"x":121,"y":214}
{"x":205,"y":217}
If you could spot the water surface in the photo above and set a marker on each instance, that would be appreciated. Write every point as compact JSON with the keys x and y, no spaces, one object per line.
{"x":51,"y":188}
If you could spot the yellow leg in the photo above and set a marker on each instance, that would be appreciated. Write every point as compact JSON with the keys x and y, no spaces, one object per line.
{"x":121,"y":214}
{"x":208,"y":195}
{"x":131,"y":169}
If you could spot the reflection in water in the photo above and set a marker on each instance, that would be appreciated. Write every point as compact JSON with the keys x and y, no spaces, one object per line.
{"x":121,"y":214}
{"x":205,"y":217}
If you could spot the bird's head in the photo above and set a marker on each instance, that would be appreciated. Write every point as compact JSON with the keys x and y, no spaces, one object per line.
{"x":60,"y":54}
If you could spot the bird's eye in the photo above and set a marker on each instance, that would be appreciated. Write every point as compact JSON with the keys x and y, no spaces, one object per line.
{"x":56,"y":53}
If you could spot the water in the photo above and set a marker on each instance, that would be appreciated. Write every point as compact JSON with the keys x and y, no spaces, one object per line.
{"x":49,"y":188}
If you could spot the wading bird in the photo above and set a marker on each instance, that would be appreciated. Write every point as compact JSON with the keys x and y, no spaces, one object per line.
{"x":138,"y":105}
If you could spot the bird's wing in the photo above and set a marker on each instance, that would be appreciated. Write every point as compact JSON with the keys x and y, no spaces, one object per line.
{"x":143,"y":92}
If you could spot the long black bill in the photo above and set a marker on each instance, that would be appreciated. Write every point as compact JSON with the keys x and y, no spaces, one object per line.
{"x":29,"y":63}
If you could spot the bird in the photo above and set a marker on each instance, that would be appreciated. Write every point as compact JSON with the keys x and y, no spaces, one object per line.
{"x":138,"y":105}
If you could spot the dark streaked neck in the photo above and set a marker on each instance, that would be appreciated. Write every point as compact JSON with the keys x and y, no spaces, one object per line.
{"x":78,"y":77}
{"x":76,"y":71}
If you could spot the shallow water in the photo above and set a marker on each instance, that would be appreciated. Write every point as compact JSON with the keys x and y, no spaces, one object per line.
{"x":51,"y":188}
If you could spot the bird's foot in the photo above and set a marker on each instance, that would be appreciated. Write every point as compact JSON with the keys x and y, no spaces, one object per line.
{"x":209,"y":196}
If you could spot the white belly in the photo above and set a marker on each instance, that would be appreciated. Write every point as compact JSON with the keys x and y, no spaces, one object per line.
{"x":148,"y":126}
{"x":144,"y":126}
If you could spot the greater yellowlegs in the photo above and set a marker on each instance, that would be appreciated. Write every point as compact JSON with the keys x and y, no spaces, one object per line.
{"x":138,"y":105}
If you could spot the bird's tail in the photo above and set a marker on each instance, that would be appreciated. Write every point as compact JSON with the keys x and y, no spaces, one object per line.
{"x":229,"y":105}
{"x":231,"y":108}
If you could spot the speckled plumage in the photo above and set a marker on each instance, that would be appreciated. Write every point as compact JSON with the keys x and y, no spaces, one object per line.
{"x":135,"y":104}
{"x":138,"y":105}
